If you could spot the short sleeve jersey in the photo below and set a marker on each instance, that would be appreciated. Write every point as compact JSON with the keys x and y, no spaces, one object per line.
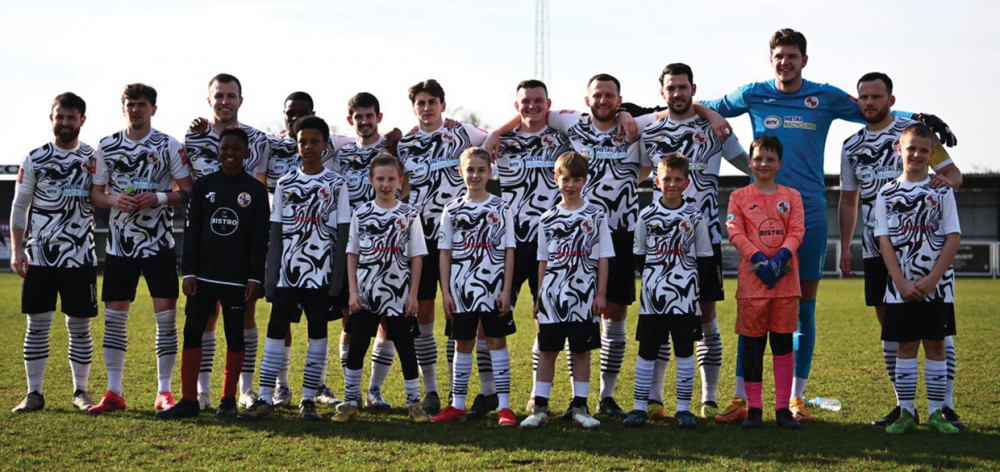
{"x":571,"y":242}
{"x":478,"y":235}
{"x":704,"y":151}
{"x":385,"y":240}
{"x":61,"y":228}
{"x":133,"y":167}
{"x":526,"y":163}
{"x":671,"y":240}
{"x":868,"y":161}
{"x":309,"y":208}
{"x":613,"y":178}
{"x":917,"y":218}
{"x":801,"y":120}
{"x":203,"y":151}
{"x":766,"y":223}
{"x":431,"y":161}
{"x":352,"y":162}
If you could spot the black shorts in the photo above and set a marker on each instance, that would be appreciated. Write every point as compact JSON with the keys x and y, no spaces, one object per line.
{"x":430,"y":271}
{"x":658,"y":329}
{"x":202,"y":304}
{"x":876,"y":281}
{"x":121,"y":276}
{"x":584,"y":336}
{"x":914,"y":321}
{"x":365,"y":324}
{"x":76,"y":287}
{"x":525,"y":270}
{"x":288,"y":304}
{"x":466,"y":325}
{"x":711,"y":287}
{"x":621,"y":269}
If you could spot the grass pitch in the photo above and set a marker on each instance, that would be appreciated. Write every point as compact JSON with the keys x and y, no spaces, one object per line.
{"x":847,"y":366}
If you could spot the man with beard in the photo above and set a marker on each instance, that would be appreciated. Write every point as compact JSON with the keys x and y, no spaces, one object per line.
{"x":53,"y":192}
{"x":869,"y":160}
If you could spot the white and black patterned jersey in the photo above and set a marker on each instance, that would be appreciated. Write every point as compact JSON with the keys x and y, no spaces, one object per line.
{"x":352,"y":162}
{"x":309,"y":208}
{"x":917,"y":218}
{"x":704,"y":151}
{"x":133,"y":167}
{"x":526,"y":163}
{"x":571,"y":242}
{"x":283,"y":156}
{"x":671,"y":240}
{"x":385,"y":240}
{"x":203,"y":151}
{"x":61,"y":228}
{"x":613,"y":179}
{"x":431,"y":160}
{"x":478,"y":235}
{"x":869,"y":160}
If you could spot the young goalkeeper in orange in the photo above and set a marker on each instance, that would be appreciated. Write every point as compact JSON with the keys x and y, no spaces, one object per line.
{"x":766,"y":225}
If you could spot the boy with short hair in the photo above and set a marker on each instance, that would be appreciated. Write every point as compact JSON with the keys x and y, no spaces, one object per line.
{"x":574,"y":245}
{"x":477,"y":268}
{"x":225,"y":246}
{"x":672,"y":236}
{"x":309,"y":226}
{"x":384,"y":257}
{"x":766,"y":225}
{"x":918,"y":232}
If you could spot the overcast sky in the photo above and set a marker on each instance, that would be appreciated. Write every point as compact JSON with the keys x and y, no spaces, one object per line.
{"x":938,"y":54}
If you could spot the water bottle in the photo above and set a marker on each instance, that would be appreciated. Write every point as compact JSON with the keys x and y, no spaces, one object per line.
{"x":831,"y":404}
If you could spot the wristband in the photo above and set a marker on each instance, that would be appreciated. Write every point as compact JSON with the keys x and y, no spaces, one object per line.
{"x":161,"y":198}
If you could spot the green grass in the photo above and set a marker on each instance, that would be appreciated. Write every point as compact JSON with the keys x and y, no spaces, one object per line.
{"x":847,"y":366}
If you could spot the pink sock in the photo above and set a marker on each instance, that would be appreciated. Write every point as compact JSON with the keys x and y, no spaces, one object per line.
{"x":784,"y":366}
{"x":753,"y":393}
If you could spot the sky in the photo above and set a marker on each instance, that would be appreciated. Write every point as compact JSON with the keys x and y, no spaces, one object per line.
{"x":937,"y":54}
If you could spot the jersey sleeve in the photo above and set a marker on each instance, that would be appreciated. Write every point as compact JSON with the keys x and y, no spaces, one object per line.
{"x":178,"y":162}
{"x":736,"y":224}
{"x":848,"y":179}
{"x":476,"y":135}
{"x":510,"y":239}
{"x":796,"y":229}
{"x":639,"y":238}
{"x":563,"y":120}
{"x":192,"y":231}
{"x":417,"y":246}
{"x":260,"y":237}
{"x":881,"y":216}
{"x":543,"y":246}
{"x":101,"y":172}
{"x":949,"y":213}
{"x":844,"y":106}
{"x":265,"y":150}
{"x":605,"y":247}
{"x":24,"y":193}
{"x":352,"y":236}
{"x":734,"y":104}
{"x":702,"y":241}
{"x":343,"y":205}
{"x":445,"y":235}
{"x":279,"y":196}
{"x":732,"y":149}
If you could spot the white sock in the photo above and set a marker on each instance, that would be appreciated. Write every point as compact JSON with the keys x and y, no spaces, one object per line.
{"x":208,"y":341}
{"x":352,"y":386}
{"x":906,"y":383}
{"x":643,"y":380}
{"x":543,"y":389}
{"x":581,"y":389}
{"x":500,"y":358}
{"x":270,"y":364}
{"x":659,"y":373}
{"x":286,"y":363}
{"x":709,"y":352}
{"x":612,"y":355}
{"x":935,"y":377}
{"x":738,"y":390}
{"x":412,"y":387}
{"x":487,"y":382}
{"x":460,"y":379}
{"x":249,"y":359}
{"x":426,"y":350}
{"x":949,"y":351}
{"x":81,"y":351}
{"x":534,"y":366}
{"x":685,"y":382}
{"x":798,"y":388}
{"x":36,"y":349}
{"x":382,"y":354}
{"x":166,"y":348}
{"x":316,"y":354}
{"x":115,"y":344}
{"x":889,"y":350}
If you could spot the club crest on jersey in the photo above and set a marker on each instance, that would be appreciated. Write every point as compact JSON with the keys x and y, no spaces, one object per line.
{"x":243,"y":199}
{"x":323,"y":193}
{"x":730,"y":217}
{"x":400,"y":225}
{"x":447,"y":137}
{"x":699,"y":138}
{"x":547,"y":141}
{"x":783,"y":207}
{"x":152,"y":158}
{"x":86,"y":165}
{"x":811,"y":101}
{"x":587,"y":226}
{"x":493,"y":218}
{"x":931,"y":201}
{"x":684,"y":227}
{"x":772,"y":122}
{"x":617,"y":140}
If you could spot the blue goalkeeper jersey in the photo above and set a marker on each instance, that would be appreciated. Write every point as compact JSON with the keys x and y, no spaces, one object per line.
{"x":801,"y":120}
